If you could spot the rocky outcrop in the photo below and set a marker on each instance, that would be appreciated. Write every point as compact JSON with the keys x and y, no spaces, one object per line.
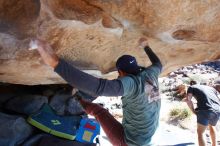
{"x":14,"y":130}
{"x":93,"y":34}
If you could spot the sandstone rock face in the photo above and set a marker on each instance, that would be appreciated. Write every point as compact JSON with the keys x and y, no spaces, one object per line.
{"x":92,"y":34}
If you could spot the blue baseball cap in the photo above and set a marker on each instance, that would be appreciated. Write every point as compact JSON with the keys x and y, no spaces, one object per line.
{"x":128,"y":64}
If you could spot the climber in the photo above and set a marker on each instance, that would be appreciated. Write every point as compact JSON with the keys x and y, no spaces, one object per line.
{"x":137,"y":85}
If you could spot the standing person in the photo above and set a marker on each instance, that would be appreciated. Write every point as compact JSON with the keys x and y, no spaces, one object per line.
{"x":207,"y":111}
{"x":137,"y":85}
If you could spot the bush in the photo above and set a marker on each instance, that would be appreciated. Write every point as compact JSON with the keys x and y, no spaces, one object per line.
{"x":180,"y":113}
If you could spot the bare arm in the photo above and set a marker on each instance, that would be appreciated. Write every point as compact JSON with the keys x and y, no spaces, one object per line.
{"x":189,"y":102}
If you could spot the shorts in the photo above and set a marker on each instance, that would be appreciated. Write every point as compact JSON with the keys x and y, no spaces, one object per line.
{"x":206,"y":117}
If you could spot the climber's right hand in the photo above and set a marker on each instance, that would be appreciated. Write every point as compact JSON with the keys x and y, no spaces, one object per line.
{"x":47,"y":53}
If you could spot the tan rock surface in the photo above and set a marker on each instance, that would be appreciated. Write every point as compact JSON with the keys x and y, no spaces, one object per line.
{"x":92,"y":34}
